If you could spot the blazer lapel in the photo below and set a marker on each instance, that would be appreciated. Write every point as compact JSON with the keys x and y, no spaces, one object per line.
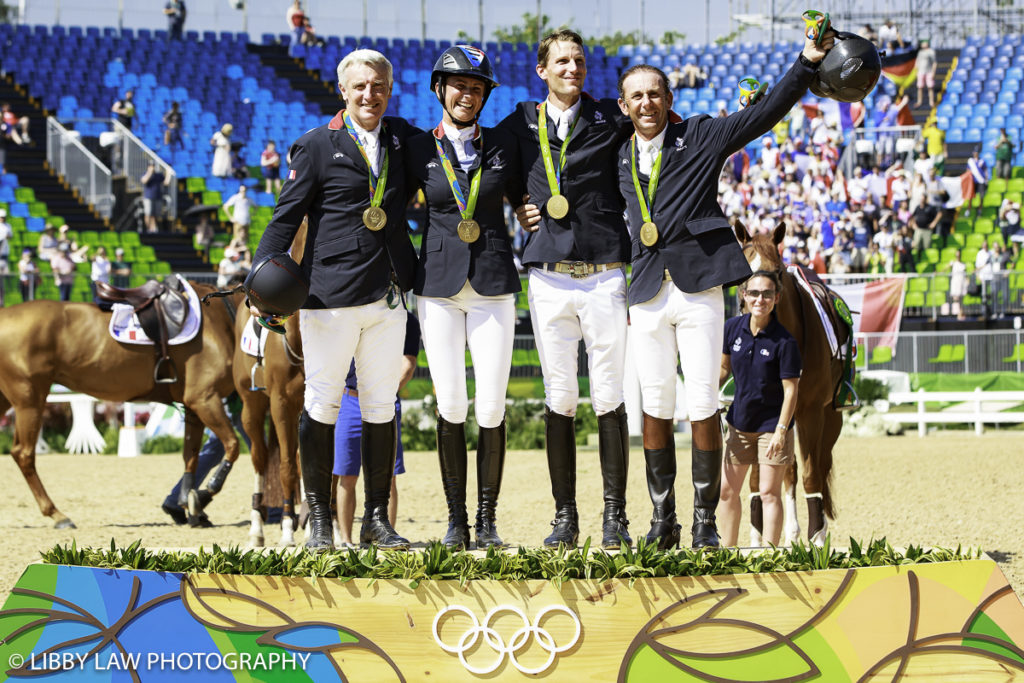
{"x":586,"y":117}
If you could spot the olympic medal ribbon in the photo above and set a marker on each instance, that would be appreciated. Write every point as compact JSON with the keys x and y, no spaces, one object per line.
{"x":649,"y":230}
{"x":466,"y":207}
{"x":376,"y":183}
{"x":554,"y":175}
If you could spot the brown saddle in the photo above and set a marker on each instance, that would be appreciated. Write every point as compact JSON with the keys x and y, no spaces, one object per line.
{"x":161,"y":308}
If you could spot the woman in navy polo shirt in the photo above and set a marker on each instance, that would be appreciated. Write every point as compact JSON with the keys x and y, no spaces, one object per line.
{"x":765,"y":362}
{"x":466,"y":281}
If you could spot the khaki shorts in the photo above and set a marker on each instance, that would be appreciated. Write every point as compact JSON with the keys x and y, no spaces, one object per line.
{"x":749,"y":448}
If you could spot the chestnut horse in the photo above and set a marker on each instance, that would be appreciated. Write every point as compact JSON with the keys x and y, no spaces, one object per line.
{"x":817,"y":423}
{"x":50,"y":342}
{"x":276,"y":387}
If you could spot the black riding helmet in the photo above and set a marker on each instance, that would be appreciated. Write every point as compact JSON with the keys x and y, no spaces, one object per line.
{"x":464,"y":60}
{"x":276,"y":285}
{"x":849,"y":71}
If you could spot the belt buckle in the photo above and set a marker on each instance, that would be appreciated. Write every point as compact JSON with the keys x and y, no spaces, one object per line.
{"x":578,"y":270}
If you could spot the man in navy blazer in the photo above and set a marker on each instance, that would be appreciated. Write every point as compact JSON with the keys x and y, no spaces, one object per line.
{"x":576,"y":252}
{"x":684,"y":253}
{"x":348,"y":177}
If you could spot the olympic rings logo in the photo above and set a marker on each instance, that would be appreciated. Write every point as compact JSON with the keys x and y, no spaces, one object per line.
{"x":494,"y":640}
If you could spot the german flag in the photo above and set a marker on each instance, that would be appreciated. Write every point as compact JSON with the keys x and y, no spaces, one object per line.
{"x":901,"y":68}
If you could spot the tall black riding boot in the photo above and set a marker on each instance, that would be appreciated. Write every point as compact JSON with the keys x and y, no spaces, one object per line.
{"x":560,"y":442}
{"x":706,"y":467}
{"x":316,"y":451}
{"x":451,"y":451}
{"x":490,"y":463}
{"x":379,"y":449}
{"x":661,"y":480}
{"x":613,"y":446}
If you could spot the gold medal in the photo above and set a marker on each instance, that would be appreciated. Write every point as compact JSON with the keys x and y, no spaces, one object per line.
{"x":375,"y":218}
{"x":558,"y":206}
{"x":469,"y":230}
{"x":649,"y":233}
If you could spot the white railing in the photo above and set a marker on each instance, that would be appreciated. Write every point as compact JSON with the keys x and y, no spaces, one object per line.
{"x":79,"y":167}
{"x":975,"y":407}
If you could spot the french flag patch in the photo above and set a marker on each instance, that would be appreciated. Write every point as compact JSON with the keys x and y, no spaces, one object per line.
{"x":291,"y":174}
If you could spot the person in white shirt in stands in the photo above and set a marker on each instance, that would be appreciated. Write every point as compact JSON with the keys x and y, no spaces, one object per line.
{"x":238,"y":208}
{"x":983,"y":269}
{"x":979,"y":171}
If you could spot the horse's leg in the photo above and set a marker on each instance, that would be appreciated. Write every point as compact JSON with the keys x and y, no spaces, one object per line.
{"x":27,"y":423}
{"x":253,"y":414}
{"x":285,"y":422}
{"x":188,"y":496}
{"x":756,"y":511}
{"x":809,"y":450}
{"x":818,"y":489}
{"x":211,"y":412}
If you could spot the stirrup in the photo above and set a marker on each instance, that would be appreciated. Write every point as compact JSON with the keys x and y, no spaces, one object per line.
{"x":846,"y":397}
{"x":165,"y":380}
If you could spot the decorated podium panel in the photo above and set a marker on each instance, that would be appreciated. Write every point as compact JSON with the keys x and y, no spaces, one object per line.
{"x":947,"y":621}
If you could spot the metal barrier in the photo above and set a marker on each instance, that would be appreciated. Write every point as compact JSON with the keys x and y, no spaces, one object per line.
{"x":79,"y":167}
{"x":946,"y":352}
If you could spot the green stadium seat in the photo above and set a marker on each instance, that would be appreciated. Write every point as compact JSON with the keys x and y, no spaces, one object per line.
{"x":131,"y":239}
{"x":25,"y":195}
{"x":144,"y":252}
{"x":997,"y":185}
{"x":30,"y":239}
{"x":940,"y":283}
{"x":993,"y":199}
{"x":136,"y":280}
{"x":12,"y":296}
{"x":881,"y":354}
{"x":935,"y":298}
{"x":110,"y":239}
{"x":1015,"y":185}
{"x":924,"y":267}
{"x":1017,"y":355}
{"x":212,"y":197}
{"x":17,"y":223}
{"x":947,"y":254}
{"x":44,"y":267}
{"x":90,"y":237}
{"x":949,"y":353}
{"x":931,"y":255}
{"x":957,"y":239}
{"x":860,"y":362}
{"x":161,"y":268}
{"x":985,"y":226}
{"x":421,"y":359}
{"x":917,"y":284}
{"x":195,"y":184}
{"x":39,"y":210}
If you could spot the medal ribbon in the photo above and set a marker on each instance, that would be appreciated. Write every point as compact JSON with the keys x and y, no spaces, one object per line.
{"x":652,"y":184}
{"x":554,"y":177}
{"x":465,"y":208}
{"x":377,"y":183}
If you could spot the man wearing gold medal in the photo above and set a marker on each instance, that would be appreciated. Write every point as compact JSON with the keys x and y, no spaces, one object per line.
{"x":466,"y":280}
{"x":685,"y":253}
{"x":576,"y":252}
{"x":349,"y":178}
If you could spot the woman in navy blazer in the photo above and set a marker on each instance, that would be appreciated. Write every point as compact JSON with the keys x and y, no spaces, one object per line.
{"x":466,"y":280}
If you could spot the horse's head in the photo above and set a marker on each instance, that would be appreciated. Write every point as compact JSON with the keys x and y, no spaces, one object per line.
{"x":761,"y":250}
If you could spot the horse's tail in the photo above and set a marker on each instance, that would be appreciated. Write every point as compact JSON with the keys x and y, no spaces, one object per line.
{"x":5,"y":404}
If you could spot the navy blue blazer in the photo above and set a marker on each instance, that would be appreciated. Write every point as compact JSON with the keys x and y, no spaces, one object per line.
{"x":594,"y":231}
{"x":446,"y":262}
{"x":696,"y":243}
{"x":347,"y":263}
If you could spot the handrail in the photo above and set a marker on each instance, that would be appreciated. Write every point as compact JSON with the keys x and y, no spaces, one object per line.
{"x":133,"y":173}
{"x":89,"y":175}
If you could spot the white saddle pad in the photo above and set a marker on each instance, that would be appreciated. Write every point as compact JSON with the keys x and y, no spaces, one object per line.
{"x":254,"y":341}
{"x":125,"y":328}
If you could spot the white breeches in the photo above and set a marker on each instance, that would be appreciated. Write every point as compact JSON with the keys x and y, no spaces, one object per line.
{"x":678,"y":325}
{"x":374,"y":335}
{"x":487,"y":324}
{"x":565,"y":310}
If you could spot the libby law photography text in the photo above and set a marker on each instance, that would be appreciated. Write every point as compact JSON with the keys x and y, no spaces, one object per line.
{"x":177,"y":661}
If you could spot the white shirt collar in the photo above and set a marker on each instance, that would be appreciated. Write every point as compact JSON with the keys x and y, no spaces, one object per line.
{"x":556,"y":112}
{"x":362,"y":132}
{"x":459,"y":134}
{"x":656,"y":142}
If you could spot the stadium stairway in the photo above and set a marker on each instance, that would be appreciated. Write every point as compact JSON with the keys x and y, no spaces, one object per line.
{"x":178,"y":250}
{"x":29,"y":163}
{"x":311,"y":83}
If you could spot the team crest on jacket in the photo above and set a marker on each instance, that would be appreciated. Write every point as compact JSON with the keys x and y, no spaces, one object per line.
{"x":599,"y":117}
{"x":338,"y":155}
{"x":496,"y":162}
{"x":679,"y":144}
{"x":737,"y":344}
{"x":431,"y":164}
{"x":395,"y":143}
